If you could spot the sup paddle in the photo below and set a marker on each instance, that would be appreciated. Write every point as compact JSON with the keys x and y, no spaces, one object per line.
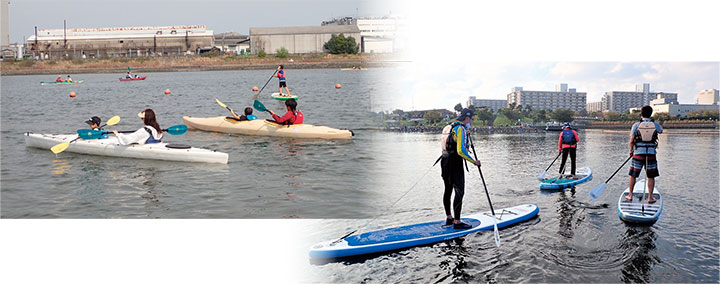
{"x":497,"y":234}
{"x":542,"y":175}
{"x":268,"y":81}
{"x":598,"y":190}
{"x":63,"y":146}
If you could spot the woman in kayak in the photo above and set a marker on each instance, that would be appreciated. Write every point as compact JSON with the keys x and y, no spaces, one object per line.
{"x":149,"y":133}
{"x":292,"y":116}
{"x":59,"y":79}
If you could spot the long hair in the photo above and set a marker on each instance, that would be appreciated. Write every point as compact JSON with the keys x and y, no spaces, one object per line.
{"x":149,"y":119}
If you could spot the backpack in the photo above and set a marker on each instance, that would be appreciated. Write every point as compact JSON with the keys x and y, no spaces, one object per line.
{"x":448,"y":143}
{"x":646,"y":134}
{"x":568,"y":137}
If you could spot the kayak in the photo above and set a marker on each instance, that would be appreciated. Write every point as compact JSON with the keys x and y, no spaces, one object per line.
{"x":638,"y":210}
{"x":62,"y":83}
{"x":584,"y":175}
{"x":277,"y":96}
{"x":419,"y":234}
{"x":133,"y":79}
{"x":110,"y":147}
{"x":353,"y":69}
{"x":264,"y":127}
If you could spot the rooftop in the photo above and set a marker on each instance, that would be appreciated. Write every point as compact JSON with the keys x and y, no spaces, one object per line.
{"x":305,"y":30}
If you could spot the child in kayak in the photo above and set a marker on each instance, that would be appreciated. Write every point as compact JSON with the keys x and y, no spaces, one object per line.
{"x":94,"y":123}
{"x":567,"y":145}
{"x":281,"y":78}
{"x":149,"y":133}
{"x":247,"y":116}
{"x":643,"y":144}
{"x":68,"y":79}
{"x":292,"y":116}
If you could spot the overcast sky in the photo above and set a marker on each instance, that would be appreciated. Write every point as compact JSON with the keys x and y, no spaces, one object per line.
{"x":217,"y":15}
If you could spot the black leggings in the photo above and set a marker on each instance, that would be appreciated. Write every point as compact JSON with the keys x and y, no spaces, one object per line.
{"x":572,"y":159}
{"x":453,"y":177}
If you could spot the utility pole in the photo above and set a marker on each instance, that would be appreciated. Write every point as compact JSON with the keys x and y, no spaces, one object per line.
{"x":37,"y":47}
{"x":64,"y":34}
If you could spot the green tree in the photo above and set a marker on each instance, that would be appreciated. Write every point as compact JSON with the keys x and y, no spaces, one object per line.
{"x":511,"y":114}
{"x":540,"y":116}
{"x":661,"y":116}
{"x":612,"y":116}
{"x":261,"y":54}
{"x":562,"y":115}
{"x":458,"y":107}
{"x":432,"y":116}
{"x":282,"y":52}
{"x":339,"y":44}
{"x":485,"y":114}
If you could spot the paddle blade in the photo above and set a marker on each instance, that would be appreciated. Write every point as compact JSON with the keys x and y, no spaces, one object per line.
{"x":597,"y":191}
{"x":60,"y":147}
{"x":113,"y":120}
{"x":220,"y":103}
{"x":259,"y":106}
{"x":541,"y":177}
{"x":177,"y":129}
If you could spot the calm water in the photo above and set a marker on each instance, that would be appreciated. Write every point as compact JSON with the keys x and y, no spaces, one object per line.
{"x":572,"y":240}
{"x":265,"y":177}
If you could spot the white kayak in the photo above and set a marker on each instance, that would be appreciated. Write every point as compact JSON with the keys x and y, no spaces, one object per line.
{"x":638,"y":210}
{"x":111,"y":147}
{"x":419,"y":234}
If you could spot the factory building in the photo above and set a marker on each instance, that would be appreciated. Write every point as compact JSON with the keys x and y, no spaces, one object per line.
{"x":298,"y":39}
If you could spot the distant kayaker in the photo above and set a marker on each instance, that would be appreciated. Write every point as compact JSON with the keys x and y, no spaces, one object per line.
{"x":150,"y":133}
{"x":643,"y":144}
{"x":292,"y":116}
{"x":247,"y":116}
{"x":455,"y":149}
{"x":128,"y":75}
{"x":59,"y":79}
{"x":281,"y":78}
{"x":94,"y":123}
{"x":567,"y":145}
{"x":68,"y":79}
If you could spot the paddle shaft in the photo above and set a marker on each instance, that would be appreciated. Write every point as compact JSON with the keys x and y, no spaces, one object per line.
{"x":472,"y":145}
{"x":616,"y":171}
{"x":556,"y":157}
{"x":268,"y":81}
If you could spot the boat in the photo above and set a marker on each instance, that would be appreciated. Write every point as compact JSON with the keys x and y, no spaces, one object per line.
{"x":277,"y":96}
{"x":133,"y":79}
{"x":264,"y":128}
{"x":111,"y":147}
{"x":353,"y":69}
{"x":419,"y":234}
{"x":638,"y":211}
{"x":62,"y":83}
{"x":565,"y":181}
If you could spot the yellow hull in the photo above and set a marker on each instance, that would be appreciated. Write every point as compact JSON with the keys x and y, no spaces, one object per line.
{"x":264,"y":128}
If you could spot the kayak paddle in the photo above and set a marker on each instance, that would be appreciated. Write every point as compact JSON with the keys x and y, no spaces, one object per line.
{"x":259,"y":106}
{"x":63,"y":146}
{"x":497,"y":234}
{"x":598,"y":190}
{"x":223,"y":105}
{"x":542,"y":175}
{"x":179,"y":129}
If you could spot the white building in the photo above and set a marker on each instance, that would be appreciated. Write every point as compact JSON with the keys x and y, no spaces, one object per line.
{"x":233,"y":42}
{"x":298,"y":39}
{"x":708,"y":97}
{"x":594,"y":107}
{"x":378,"y":34}
{"x":495,"y":105}
{"x":622,"y":101}
{"x":548,"y":100}
{"x":682,"y":109}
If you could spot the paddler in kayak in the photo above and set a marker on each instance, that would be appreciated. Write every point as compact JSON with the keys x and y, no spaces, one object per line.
{"x":59,"y":79}
{"x":128,"y":75}
{"x":643,"y":141}
{"x":281,"y":78}
{"x":455,"y":150}
{"x":94,"y":123}
{"x":567,"y":145}
{"x":68,"y":79}
{"x":292,"y":116}
{"x":149,"y":133}
{"x":247,"y":116}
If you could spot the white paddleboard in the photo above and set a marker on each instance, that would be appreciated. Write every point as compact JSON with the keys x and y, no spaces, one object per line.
{"x":638,"y":210}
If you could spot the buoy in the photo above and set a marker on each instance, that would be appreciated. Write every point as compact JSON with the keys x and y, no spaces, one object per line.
{"x":337,"y":86}
{"x":255,"y":89}
{"x":167,"y":91}
{"x":72,"y":94}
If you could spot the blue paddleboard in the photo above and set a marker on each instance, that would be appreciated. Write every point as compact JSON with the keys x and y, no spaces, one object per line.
{"x":419,"y":234}
{"x":584,"y":175}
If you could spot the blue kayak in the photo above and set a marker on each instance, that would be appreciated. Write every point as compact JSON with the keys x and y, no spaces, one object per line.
{"x":419,"y":234}
{"x":583,"y":174}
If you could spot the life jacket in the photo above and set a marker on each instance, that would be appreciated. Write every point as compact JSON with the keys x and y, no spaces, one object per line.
{"x":448,"y":143}
{"x":646,"y":135}
{"x":151,"y":139}
{"x":568,"y":137}
{"x":297,"y":120}
{"x":281,"y":75}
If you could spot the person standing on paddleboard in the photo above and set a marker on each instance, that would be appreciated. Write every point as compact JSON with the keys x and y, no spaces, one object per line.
{"x":455,"y":150}
{"x":292,"y":116}
{"x":281,"y":78}
{"x":149,"y":133}
{"x":567,"y":145}
{"x":643,"y":144}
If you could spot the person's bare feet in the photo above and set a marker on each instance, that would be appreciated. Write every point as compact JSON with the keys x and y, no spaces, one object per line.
{"x":628,"y":197}
{"x":651,"y":201}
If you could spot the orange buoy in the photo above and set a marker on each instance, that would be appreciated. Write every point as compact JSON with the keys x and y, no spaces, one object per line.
{"x":337,"y":86}
{"x":167,"y":91}
{"x":255,"y":89}
{"x":72,"y":94}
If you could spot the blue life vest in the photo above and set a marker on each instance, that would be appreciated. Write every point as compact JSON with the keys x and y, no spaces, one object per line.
{"x":251,"y":117}
{"x":568,"y":137}
{"x":151,"y":139}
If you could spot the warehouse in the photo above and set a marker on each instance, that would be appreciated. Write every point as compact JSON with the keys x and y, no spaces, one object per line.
{"x":298,"y":39}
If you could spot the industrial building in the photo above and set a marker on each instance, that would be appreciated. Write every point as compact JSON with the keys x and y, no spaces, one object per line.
{"x":298,"y":39}
{"x":233,"y":42}
{"x":561,"y":98}
{"x":377,"y":34}
{"x":622,"y":101}
{"x":708,"y":97}
{"x":119,"y":41}
{"x":494,"y":105}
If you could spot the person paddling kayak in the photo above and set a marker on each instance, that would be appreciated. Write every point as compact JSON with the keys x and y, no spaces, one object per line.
{"x":247,"y":116}
{"x":567,"y":144}
{"x":292,"y":116}
{"x":455,"y":149}
{"x":149,"y":133}
{"x":59,"y":79}
{"x":643,"y":144}
{"x":94,"y":123}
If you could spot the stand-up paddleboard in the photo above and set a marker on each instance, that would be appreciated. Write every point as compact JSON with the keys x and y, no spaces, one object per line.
{"x":419,"y":234}
{"x":283,"y":97}
{"x":584,"y":175}
{"x":638,"y":210}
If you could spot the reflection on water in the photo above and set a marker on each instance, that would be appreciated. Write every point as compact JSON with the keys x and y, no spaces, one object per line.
{"x":59,"y":166}
{"x":638,"y":243}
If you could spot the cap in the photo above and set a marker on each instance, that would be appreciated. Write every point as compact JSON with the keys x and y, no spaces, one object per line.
{"x":567,"y":125}
{"x":466,"y":112}
{"x":94,"y":120}
{"x":141,"y":114}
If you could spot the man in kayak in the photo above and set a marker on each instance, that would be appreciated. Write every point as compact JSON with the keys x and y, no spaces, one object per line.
{"x":128,"y":75}
{"x":149,"y":133}
{"x":455,"y":150}
{"x":94,"y":123}
{"x":292,"y":116}
{"x":643,"y":141}
{"x":68,"y":79}
{"x":247,"y":116}
{"x":567,"y":145}
{"x":59,"y":79}
{"x":281,"y":78}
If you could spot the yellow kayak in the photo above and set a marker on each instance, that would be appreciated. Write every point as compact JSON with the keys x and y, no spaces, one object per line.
{"x":264,"y":127}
